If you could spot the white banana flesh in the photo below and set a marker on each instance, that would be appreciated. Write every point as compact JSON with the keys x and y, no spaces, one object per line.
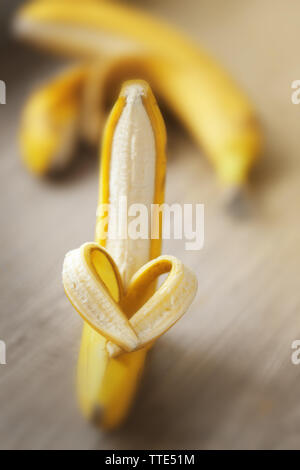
{"x":132,"y":180}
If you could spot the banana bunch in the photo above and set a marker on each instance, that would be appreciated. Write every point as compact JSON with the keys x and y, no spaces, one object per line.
{"x":112,"y":281}
{"x":117,"y":43}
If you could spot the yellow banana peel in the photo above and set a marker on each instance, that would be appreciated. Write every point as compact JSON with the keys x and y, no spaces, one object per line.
{"x":205,"y":99}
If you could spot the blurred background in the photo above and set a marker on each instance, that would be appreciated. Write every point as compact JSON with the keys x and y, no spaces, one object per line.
{"x":223,"y":377}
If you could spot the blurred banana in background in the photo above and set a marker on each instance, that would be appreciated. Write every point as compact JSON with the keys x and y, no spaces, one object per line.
{"x":125,"y":43}
{"x":50,"y":123}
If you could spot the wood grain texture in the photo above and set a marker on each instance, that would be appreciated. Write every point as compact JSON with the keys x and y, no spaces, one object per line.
{"x":222,"y":378}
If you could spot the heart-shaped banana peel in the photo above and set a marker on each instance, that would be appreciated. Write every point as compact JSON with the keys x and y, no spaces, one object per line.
{"x":93,"y":285}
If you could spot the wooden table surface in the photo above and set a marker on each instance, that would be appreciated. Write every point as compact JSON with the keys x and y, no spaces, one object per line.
{"x":223,"y":377}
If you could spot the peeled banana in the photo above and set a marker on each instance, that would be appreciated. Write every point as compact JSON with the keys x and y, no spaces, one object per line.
{"x":204,"y":98}
{"x":112,"y":282}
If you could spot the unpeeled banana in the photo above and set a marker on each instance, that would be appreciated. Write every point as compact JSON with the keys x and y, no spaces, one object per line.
{"x":50,"y":122}
{"x":205,"y":99}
